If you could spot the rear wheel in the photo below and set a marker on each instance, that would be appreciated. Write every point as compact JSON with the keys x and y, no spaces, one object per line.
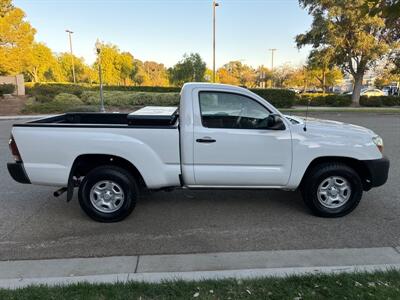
{"x":108,"y":194}
{"x":332,"y":190}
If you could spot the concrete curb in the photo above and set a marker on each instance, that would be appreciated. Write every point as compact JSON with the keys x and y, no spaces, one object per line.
{"x":157,"y":268}
{"x":16,"y":283}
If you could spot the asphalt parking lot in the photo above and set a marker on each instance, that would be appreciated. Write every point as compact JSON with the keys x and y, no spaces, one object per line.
{"x":34,"y":224}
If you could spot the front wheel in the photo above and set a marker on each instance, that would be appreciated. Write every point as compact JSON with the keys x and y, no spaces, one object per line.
{"x":108,"y":194}
{"x":332,"y":190}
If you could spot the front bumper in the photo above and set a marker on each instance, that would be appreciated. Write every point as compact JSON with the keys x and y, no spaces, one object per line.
{"x":17,"y":172}
{"x":378,"y":170}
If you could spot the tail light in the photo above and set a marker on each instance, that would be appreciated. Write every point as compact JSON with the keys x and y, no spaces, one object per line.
{"x":14,"y":149}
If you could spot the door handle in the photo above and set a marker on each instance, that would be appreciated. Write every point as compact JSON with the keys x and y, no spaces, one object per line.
{"x":206,"y":140}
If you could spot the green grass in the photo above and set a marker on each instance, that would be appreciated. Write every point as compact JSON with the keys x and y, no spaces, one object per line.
{"x":380,"y":285}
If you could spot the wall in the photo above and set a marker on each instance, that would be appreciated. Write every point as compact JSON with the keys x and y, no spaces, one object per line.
{"x":18,"y":81}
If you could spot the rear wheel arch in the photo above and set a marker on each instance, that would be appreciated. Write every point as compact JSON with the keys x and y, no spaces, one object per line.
{"x":357,"y":165}
{"x":84,"y":163}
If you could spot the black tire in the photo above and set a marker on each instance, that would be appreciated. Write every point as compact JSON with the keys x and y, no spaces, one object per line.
{"x":117,"y":175}
{"x":320,"y":173}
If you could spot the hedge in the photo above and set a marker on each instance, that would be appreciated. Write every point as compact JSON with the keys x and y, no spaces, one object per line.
{"x":67,"y":99}
{"x":280,"y":98}
{"x":126,"y":99}
{"x":50,"y":90}
{"x":53,"y":89}
{"x":46,"y":92}
{"x":6,"y":88}
{"x":376,"y":101}
{"x":324,"y":100}
{"x":62,"y":103}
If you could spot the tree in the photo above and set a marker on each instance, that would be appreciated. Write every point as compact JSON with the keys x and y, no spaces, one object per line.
{"x":41,"y":63}
{"x":237,"y":73}
{"x":355,"y":39}
{"x":16,"y":39}
{"x":225,"y":76}
{"x":109,"y":56}
{"x":282,"y":74}
{"x":300,"y":78}
{"x":138,"y":76}
{"x":65,"y":68}
{"x":156,"y":74}
{"x":190,"y":68}
{"x":322,"y":68}
{"x":264,"y":77}
{"x":125,"y":66}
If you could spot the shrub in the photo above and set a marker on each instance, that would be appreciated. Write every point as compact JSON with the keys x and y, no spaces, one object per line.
{"x":62,"y":102}
{"x":148,"y":89}
{"x":53,"y":89}
{"x":126,"y":99}
{"x":43,"y":98}
{"x":67,"y":99}
{"x":337,"y":100}
{"x":324,"y":100}
{"x":6,"y":88}
{"x":377,"y":101}
{"x":280,"y":98}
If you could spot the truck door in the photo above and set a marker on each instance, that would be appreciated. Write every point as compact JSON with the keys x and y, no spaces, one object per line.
{"x":233,"y":146}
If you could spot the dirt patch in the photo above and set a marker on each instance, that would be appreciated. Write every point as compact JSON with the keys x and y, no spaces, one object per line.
{"x":12,"y":105}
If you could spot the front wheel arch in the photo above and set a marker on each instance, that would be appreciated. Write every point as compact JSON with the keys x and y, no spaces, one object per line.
{"x":357,"y":165}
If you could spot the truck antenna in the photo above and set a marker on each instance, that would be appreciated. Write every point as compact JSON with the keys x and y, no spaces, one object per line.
{"x":305,"y":120}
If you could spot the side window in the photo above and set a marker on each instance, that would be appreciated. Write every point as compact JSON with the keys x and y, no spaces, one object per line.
{"x":225,"y":110}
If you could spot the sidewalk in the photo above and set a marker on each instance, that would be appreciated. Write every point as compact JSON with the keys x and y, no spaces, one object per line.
{"x":158,"y":268}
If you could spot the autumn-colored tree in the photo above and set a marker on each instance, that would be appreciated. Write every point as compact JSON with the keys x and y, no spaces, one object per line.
{"x":41,"y":63}
{"x":237,"y":73}
{"x":320,"y":66}
{"x":226,"y":77}
{"x":125,"y":66}
{"x":16,"y":39}
{"x":300,"y":78}
{"x":282,"y":74}
{"x":65,"y":66}
{"x":264,"y":77}
{"x":156,"y":74}
{"x":138,"y":75}
{"x":109,"y":57}
{"x":190,"y":68}
{"x":356,"y":39}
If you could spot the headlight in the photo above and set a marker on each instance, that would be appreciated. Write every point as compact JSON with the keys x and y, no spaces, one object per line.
{"x":378,"y":141}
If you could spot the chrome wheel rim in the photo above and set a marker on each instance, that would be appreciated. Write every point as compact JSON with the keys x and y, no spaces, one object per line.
{"x":107,"y":196}
{"x":334,"y":192}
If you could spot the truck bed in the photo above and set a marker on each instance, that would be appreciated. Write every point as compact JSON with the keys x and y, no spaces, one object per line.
{"x":86,"y":119}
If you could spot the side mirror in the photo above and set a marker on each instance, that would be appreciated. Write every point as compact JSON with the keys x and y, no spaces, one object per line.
{"x":271,"y":120}
{"x":274,"y":122}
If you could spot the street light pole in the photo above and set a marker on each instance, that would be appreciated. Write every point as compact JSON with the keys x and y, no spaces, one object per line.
{"x":272,"y":58}
{"x":98,"y":50}
{"x":215,"y":4}
{"x":72,"y":55}
{"x":272,"y":64}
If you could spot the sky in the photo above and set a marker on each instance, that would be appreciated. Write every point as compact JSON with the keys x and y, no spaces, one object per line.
{"x":164,"y":30}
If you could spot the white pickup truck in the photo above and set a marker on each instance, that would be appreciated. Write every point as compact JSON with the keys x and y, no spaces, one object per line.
{"x":221,"y":137}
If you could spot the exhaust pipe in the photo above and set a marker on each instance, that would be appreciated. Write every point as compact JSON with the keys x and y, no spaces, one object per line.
{"x":59,"y":192}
